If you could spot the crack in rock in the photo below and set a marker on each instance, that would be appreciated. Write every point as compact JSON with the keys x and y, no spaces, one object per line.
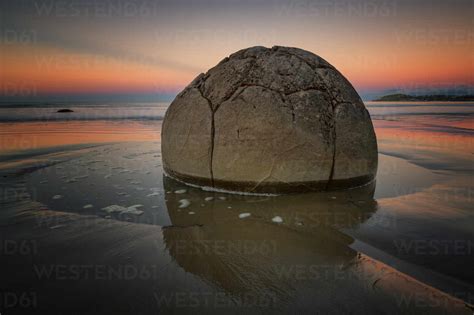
{"x":213,"y":132}
{"x":240,"y":88}
{"x":284,"y":71}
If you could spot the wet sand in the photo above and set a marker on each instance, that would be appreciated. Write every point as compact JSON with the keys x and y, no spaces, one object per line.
{"x":90,"y":225}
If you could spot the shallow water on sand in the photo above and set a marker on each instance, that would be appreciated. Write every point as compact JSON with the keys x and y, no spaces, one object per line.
{"x":88,"y":200}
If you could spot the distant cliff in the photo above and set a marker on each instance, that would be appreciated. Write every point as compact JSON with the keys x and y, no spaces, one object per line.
{"x":425,"y":98}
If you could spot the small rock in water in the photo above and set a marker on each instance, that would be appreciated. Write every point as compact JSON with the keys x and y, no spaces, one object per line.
{"x":88,"y":206}
{"x":64,"y":110}
{"x":222,"y":198}
{"x":244,"y":215}
{"x":209,"y":198}
{"x":180,"y":191}
{"x":191,"y":212}
{"x":56,"y":197}
{"x":184,"y":203}
{"x":277,"y":219}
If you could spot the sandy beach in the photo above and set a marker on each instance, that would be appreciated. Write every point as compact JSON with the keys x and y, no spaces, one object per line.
{"x":90,"y":223}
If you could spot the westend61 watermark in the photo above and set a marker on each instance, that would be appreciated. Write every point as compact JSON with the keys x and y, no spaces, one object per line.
{"x":201,"y":299}
{"x":18,"y":247}
{"x":12,"y":194}
{"x":18,"y":36}
{"x":69,"y":62}
{"x":327,"y":272}
{"x":97,"y":8}
{"x":424,"y":300}
{"x":13,"y":299}
{"x":428,"y":36}
{"x":21,"y":88}
{"x":223,"y":247}
{"x":99,"y":272}
{"x":195,"y":39}
{"x":437,"y":87}
{"x":338,"y":8}
{"x":435,"y":247}
{"x":23,"y":142}
{"x":338,"y":218}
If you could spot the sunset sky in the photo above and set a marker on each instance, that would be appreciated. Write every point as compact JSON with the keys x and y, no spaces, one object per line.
{"x":152,"y":49}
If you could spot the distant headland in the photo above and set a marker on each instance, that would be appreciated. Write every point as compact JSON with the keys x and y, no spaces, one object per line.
{"x":425,"y":98}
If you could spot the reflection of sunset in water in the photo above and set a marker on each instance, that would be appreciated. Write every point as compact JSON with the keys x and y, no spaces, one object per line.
{"x":34,"y":135}
{"x":429,"y":134}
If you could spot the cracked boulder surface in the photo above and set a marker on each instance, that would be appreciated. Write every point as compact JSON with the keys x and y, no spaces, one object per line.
{"x":270,"y":120}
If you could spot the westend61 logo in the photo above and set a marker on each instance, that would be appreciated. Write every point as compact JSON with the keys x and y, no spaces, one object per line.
{"x":21,"y":88}
{"x":341,"y":8}
{"x":324,"y":272}
{"x":16,"y":193}
{"x":423,"y":300}
{"x":11,"y":299}
{"x":224,"y":247}
{"x":435,"y":247}
{"x":18,"y":247}
{"x":214,"y":300}
{"x":99,"y":272}
{"x":18,"y":36}
{"x":97,"y":8}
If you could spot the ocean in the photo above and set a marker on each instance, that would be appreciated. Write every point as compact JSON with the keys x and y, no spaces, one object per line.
{"x":85,"y":190}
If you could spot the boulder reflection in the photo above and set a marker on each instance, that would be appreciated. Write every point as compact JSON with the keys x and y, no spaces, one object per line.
{"x":255,"y":255}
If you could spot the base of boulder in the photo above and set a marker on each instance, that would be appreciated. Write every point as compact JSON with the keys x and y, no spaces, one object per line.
{"x":249,"y":187}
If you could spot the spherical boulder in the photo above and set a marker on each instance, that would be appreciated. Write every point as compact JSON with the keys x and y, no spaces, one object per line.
{"x":270,"y":120}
